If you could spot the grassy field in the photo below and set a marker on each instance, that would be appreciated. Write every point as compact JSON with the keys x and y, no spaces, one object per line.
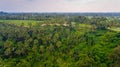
{"x":33,"y":22}
{"x":117,"y":29}
{"x":19,"y":22}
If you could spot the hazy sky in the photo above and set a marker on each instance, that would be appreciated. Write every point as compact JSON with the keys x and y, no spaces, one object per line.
{"x":60,"y":5}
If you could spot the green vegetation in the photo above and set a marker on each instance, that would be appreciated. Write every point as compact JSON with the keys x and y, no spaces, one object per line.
{"x":77,"y":41}
{"x":117,"y":29}
{"x":21,"y":22}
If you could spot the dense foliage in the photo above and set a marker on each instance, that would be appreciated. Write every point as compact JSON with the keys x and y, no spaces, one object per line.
{"x":75,"y":41}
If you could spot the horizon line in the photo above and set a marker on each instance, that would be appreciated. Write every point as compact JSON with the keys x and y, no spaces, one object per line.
{"x":57,"y":12}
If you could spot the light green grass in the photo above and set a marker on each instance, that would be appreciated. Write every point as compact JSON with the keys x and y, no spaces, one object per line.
{"x":117,"y":29}
{"x":20,"y":22}
{"x":85,"y":26}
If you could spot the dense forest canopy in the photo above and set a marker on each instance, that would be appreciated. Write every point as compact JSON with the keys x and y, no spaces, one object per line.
{"x":59,"y":39}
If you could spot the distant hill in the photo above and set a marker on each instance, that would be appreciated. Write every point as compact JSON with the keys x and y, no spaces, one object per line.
{"x":3,"y":13}
{"x":65,"y":14}
{"x":40,"y":16}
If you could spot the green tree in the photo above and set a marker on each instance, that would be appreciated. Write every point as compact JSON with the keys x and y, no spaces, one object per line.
{"x":115,"y":57}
